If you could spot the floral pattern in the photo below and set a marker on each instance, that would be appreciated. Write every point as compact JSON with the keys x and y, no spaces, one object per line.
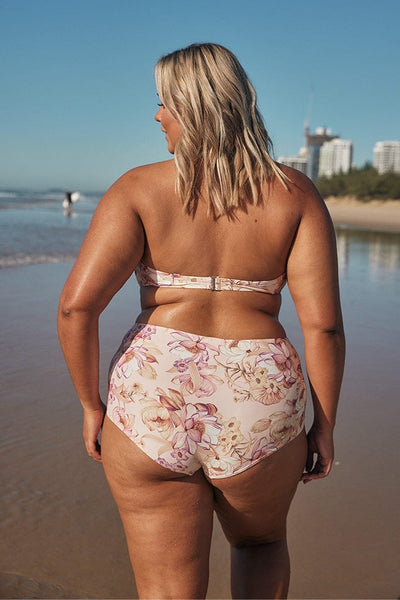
{"x":191,"y":401}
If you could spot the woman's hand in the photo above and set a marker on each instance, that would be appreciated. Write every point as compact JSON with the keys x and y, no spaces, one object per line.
{"x":92,"y":424}
{"x":320,"y":454}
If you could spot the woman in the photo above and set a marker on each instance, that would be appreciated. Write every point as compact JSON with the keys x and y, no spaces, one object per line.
{"x":206,"y":399}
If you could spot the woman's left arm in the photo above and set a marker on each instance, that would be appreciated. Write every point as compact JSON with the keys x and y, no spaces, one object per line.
{"x":110,"y":252}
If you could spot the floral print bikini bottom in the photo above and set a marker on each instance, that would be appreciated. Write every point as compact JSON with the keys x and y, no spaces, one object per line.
{"x":190,"y":401}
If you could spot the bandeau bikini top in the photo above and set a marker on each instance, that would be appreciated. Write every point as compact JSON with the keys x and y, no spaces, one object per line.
{"x":147,"y":276}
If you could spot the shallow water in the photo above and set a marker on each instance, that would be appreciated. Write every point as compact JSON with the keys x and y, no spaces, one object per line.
{"x":35,"y":228}
{"x":61,"y":535}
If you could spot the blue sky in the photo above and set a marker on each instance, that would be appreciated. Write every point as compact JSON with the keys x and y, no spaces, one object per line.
{"x":78,"y":96}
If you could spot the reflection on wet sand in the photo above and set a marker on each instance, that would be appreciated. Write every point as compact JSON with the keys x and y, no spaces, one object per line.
{"x":377,"y":252}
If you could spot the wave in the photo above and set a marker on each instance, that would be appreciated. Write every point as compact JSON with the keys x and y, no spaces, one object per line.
{"x":46,"y":199}
{"x":23,"y":260}
{"x":8,"y":195}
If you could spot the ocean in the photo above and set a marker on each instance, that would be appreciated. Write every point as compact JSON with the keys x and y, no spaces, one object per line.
{"x":35,"y":228}
{"x":55,"y":503}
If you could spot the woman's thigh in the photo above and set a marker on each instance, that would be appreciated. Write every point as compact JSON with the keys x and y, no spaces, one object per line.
{"x":167,"y":518}
{"x":252,"y":506}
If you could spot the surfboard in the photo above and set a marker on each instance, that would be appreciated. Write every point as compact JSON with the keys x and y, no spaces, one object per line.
{"x":74,"y":198}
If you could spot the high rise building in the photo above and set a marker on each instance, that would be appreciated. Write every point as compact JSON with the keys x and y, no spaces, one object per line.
{"x":314,"y":142}
{"x":324,"y":154}
{"x":335,"y":157}
{"x":296,"y":162}
{"x":387,"y":157}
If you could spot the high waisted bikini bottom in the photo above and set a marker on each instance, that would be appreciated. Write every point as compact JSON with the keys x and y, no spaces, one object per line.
{"x":191,"y":401}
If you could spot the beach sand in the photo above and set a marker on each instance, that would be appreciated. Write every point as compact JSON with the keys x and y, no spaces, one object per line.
{"x":376,"y":215}
{"x":61,"y":535}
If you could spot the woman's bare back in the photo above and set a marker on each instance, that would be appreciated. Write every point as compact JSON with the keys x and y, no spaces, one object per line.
{"x":253,"y":245}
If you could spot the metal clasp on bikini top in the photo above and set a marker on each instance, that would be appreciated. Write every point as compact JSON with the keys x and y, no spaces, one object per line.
{"x":215,"y":283}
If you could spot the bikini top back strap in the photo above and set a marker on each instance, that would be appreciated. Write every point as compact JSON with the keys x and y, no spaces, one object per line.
{"x":147,"y":276}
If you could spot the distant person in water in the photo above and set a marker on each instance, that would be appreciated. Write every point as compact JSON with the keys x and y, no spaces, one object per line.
{"x":67,"y":202}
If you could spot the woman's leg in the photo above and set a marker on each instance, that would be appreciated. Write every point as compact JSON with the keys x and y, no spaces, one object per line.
{"x":167,"y":519}
{"x":252,"y":508}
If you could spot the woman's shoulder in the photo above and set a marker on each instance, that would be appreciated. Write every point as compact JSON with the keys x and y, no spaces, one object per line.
{"x":300,"y":189}
{"x":143,"y":181}
{"x":145,"y":173}
{"x":297,"y":182}
{"x":303,"y":199}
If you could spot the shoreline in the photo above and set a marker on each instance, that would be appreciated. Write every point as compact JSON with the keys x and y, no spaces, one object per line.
{"x":374,"y":215}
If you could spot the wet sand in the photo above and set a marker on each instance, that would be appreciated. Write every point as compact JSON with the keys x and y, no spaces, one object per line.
{"x":60,"y":534}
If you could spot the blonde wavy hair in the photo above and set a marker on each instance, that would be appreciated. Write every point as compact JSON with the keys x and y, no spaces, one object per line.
{"x":224,"y":152}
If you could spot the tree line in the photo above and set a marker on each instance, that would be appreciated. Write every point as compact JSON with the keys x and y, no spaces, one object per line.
{"x":364,"y":183}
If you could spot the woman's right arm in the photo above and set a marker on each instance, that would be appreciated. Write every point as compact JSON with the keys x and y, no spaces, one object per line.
{"x":313,"y":282}
{"x":111,"y":250}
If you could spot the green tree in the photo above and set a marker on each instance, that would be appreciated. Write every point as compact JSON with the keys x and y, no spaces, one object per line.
{"x":364,"y":183}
